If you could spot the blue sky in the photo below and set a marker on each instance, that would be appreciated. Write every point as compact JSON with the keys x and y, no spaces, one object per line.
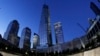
{"x":28,"y":14}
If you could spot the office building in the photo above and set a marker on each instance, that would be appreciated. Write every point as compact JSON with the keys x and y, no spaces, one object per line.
{"x":0,"y":38}
{"x":11,"y":32}
{"x":59,"y":33}
{"x":25,"y":38}
{"x":94,"y":28}
{"x":36,"y":40}
{"x":93,"y":32}
{"x":45,"y":28}
{"x":17,"y":41}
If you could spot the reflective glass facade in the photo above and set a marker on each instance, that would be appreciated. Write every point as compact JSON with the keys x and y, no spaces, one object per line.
{"x":25,"y":38}
{"x":58,"y":33}
{"x":11,"y":32}
{"x":36,"y":40}
{"x":45,"y":28}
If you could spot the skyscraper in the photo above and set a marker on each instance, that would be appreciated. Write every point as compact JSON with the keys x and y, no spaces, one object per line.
{"x":25,"y":38}
{"x":45,"y":28}
{"x":59,"y":33}
{"x":36,"y":41}
{"x":17,"y":41}
{"x":11,"y":32}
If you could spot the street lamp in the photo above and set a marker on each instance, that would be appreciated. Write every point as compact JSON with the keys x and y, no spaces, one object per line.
{"x":6,"y":48}
{"x":32,"y":51}
{"x":26,"y":53}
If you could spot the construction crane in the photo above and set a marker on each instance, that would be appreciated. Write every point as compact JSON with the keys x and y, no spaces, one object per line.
{"x":81,"y":27}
